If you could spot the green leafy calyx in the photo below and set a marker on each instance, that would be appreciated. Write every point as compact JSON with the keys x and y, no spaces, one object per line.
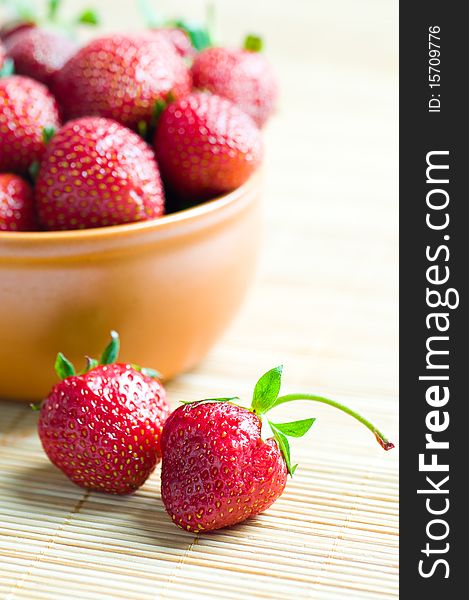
{"x":199,"y":35}
{"x":253,"y":43}
{"x":284,"y":446}
{"x":266,"y":391}
{"x":48,"y":133}
{"x":88,"y":17}
{"x":63,"y":367}
{"x":8,"y":68}
{"x":111,"y":352}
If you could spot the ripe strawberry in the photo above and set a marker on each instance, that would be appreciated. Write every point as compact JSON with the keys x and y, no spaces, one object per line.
{"x":217,"y":470}
{"x":122,"y":77}
{"x":39,"y":53}
{"x":206,"y":146}
{"x":244,"y":76}
{"x":96,"y":172}
{"x":26,"y":109}
{"x":102,"y":427}
{"x":17,"y":211}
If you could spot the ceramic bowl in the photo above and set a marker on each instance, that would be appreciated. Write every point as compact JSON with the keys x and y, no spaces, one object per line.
{"x":169,"y":286}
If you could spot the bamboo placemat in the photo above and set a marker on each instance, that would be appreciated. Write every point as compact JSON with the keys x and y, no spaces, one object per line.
{"x":324,"y":305}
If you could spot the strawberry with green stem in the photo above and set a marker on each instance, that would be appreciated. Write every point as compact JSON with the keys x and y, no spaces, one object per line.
{"x":121,"y":77}
{"x":243,"y":75}
{"x":95,"y":172}
{"x":102,"y":426}
{"x":206,"y":146}
{"x":26,"y":109}
{"x":217,"y":470}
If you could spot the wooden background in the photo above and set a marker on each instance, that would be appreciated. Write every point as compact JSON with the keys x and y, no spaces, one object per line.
{"x":324,"y":304}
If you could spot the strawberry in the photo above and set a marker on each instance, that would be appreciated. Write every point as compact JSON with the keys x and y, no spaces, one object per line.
{"x":206,"y":146}
{"x":217,"y":469}
{"x":26,"y":109}
{"x":102,"y":427}
{"x":122,"y":77}
{"x":96,"y":172}
{"x":39,"y":53}
{"x":16,"y":204}
{"x":244,"y":76}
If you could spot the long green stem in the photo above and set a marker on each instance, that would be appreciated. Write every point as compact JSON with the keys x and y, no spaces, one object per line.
{"x":382,"y":440}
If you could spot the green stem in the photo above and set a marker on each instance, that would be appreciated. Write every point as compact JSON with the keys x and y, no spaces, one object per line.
{"x":53,"y":8}
{"x":382,"y":440}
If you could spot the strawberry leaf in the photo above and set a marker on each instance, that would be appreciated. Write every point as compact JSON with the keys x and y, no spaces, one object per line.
{"x":151,"y":373}
{"x":142,"y":128}
{"x":63,"y":367}
{"x":111,"y":351}
{"x":284,"y":446}
{"x":253,"y":43}
{"x":52,"y":9}
{"x":48,"y":133}
{"x":295,"y":428}
{"x":267,"y":390}
{"x":199,"y":36}
{"x":88,"y":17}
{"x":148,"y":372}
{"x":91,"y":363}
{"x":34,"y":169}
{"x":8,"y":68}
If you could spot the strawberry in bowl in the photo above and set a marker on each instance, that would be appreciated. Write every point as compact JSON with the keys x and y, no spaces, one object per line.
{"x":17,"y":210}
{"x":122,"y":77}
{"x":27,"y":110}
{"x":39,"y":53}
{"x":206,"y":146}
{"x":243,"y":75}
{"x":96,"y":172}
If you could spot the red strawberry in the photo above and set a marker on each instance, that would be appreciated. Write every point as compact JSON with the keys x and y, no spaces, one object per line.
{"x":26,"y":109}
{"x":122,"y":77}
{"x":97,"y":172}
{"x":39,"y":53}
{"x":16,"y":204}
{"x":243,"y":76}
{"x":217,"y":470}
{"x":102,"y":428}
{"x":206,"y":146}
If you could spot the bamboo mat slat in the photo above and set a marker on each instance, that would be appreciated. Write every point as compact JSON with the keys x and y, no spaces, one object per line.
{"x":323,"y":304}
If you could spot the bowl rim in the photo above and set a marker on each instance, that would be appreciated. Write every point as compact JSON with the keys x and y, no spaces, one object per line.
{"x":182,"y":217}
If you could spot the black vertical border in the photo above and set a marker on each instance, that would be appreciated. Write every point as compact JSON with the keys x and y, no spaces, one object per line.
{"x":421,"y":132}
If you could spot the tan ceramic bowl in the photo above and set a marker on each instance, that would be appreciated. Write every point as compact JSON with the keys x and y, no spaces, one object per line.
{"x":169,"y":287}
